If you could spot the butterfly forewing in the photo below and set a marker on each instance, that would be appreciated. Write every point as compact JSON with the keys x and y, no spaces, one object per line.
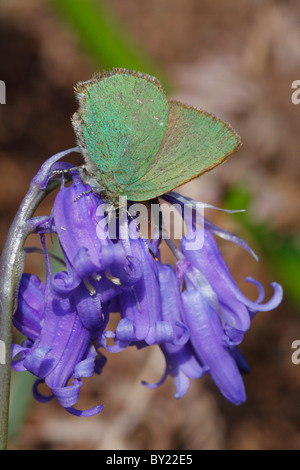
{"x":124,"y":116}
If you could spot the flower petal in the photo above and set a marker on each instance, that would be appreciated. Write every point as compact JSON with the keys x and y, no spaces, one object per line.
{"x":206,"y":333}
{"x":140,"y":303}
{"x":30,"y":308}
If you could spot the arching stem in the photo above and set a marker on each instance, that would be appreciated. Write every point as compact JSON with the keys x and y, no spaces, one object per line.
{"x":11,"y":269}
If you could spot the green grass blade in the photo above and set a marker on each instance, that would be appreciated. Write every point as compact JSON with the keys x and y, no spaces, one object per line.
{"x":104,"y":37}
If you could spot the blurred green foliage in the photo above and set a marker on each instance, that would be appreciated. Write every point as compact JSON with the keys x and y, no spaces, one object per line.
{"x":105,"y":39}
{"x":21,"y":399}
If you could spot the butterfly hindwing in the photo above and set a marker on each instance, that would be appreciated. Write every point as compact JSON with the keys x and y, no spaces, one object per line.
{"x":195,"y":142}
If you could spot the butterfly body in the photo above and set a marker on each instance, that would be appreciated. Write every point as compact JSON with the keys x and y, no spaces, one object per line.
{"x":136,"y":143}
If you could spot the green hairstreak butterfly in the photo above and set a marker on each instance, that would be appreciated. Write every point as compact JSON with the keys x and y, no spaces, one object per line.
{"x":137,"y":143}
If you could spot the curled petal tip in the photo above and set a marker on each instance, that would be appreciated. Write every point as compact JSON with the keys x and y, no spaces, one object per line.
{"x":85,"y":413}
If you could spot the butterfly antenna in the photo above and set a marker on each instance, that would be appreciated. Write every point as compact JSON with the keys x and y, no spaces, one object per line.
{"x":66,"y":171}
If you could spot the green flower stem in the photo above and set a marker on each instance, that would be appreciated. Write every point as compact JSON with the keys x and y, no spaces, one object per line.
{"x":11,"y":269}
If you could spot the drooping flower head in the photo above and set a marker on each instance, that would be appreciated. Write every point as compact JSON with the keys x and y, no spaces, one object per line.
{"x":194,"y":310}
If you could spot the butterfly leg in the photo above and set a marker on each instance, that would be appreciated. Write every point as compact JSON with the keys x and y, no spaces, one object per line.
{"x":83,"y":193}
{"x":139,"y":231}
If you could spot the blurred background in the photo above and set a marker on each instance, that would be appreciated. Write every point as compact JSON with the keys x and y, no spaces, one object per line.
{"x":237,"y":60}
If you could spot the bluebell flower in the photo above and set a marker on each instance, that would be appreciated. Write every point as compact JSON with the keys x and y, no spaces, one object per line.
{"x":58,"y":346}
{"x":203,"y":296}
{"x":87,"y":252}
{"x":63,"y":319}
{"x":181,"y":361}
{"x":194,"y":310}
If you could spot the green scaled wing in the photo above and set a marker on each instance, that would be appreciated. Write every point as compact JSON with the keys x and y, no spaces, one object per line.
{"x":120,"y":124}
{"x":194,"y":142}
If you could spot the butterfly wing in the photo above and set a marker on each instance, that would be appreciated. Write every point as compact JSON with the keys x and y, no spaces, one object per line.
{"x":120,"y":124}
{"x":194,"y":142}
